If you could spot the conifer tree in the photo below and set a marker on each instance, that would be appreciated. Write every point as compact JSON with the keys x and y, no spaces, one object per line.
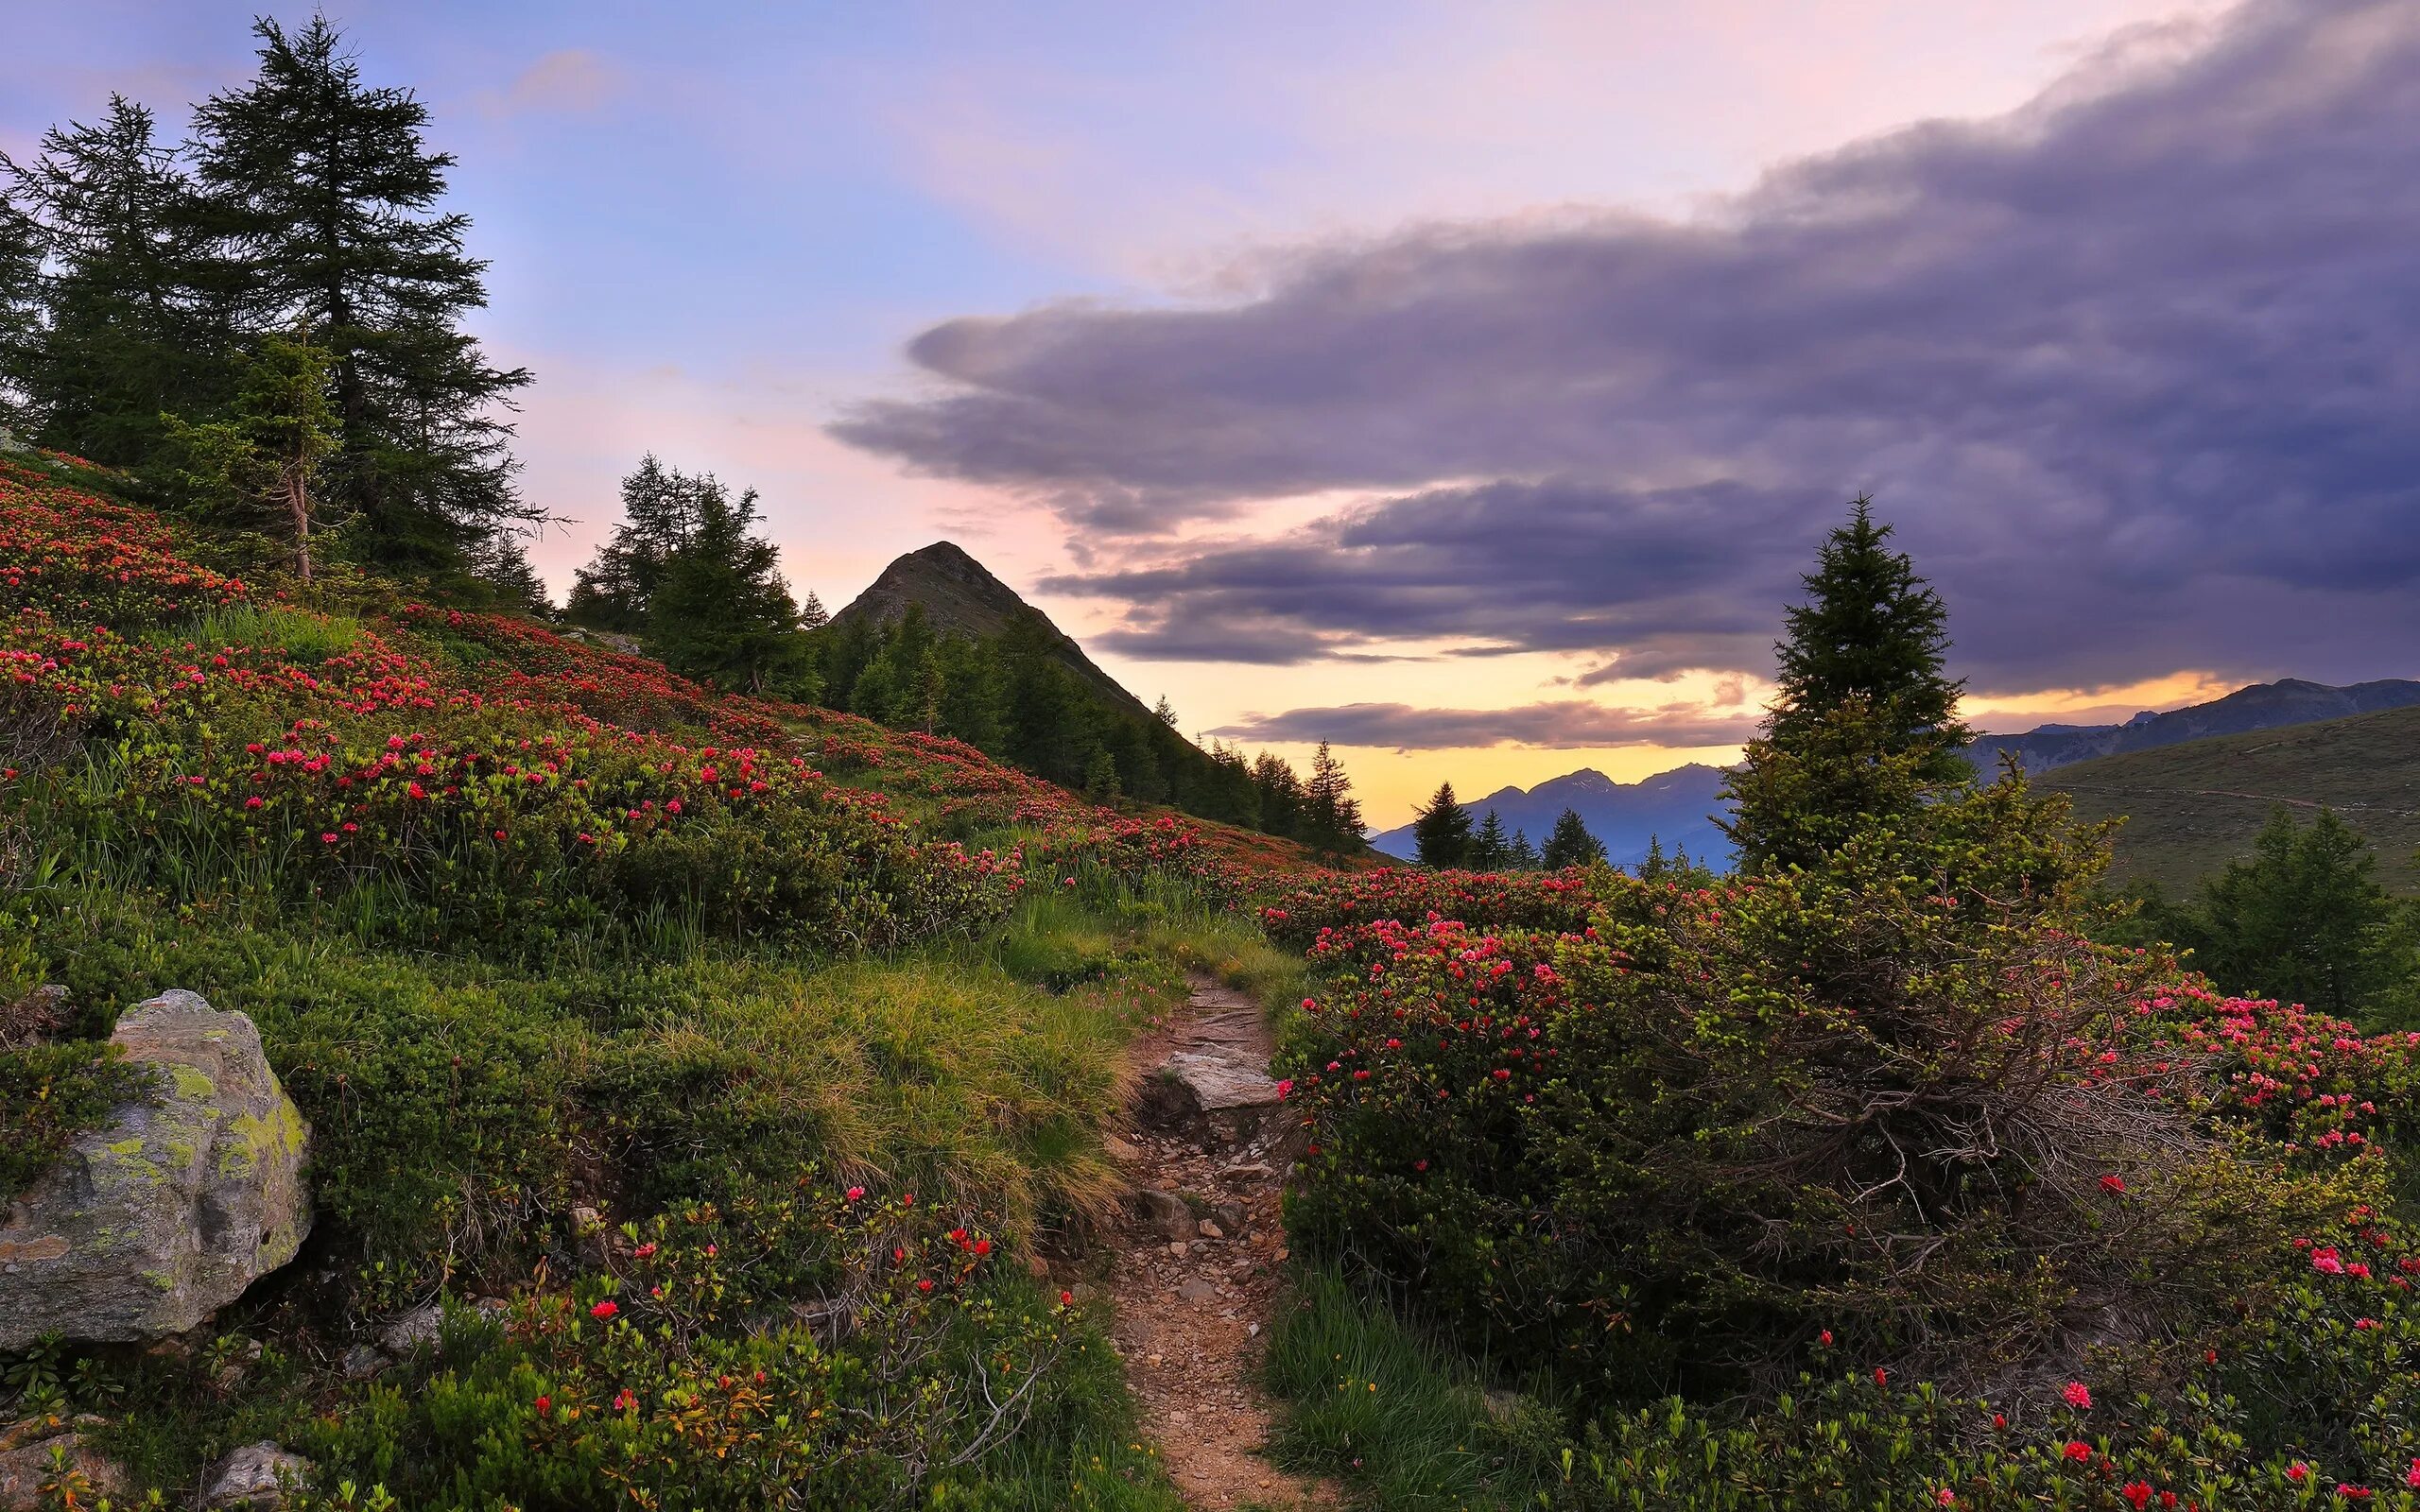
{"x":1100,"y":776}
{"x":1442,"y":830}
{"x":503,"y":564}
{"x":1279,"y":791}
{"x":722,"y":613}
{"x":1331,"y":814}
{"x":1165,"y":712}
{"x":325,"y":199}
{"x":21,"y":319}
{"x":1571,"y":844}
{"x":812,"y":616}
{"x":2304,"y":919}
{"x":1871,"y":630}
{"x":128,"y":332}
{"x":261,"y":460}
{"x":1865,"y":723}
{"x":1491,"y":849}
{"x":1524,"y":856}
{"x":660,"y":513}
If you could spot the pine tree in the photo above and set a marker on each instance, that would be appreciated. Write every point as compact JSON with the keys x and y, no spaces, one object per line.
{"x":326,"y":200}
{"x":1279,"y":791}
{"x":722,"y":613}
{"x":1571,"y":844}
{"x":1491,"y":849}
{"x":1442,"y":830}
{"x":812,"y":616}
{"x":128,"y":333}
{"x":974,"y":703}
{"x":1525,"y":856}
{"x":1871,"y":630}
{"x":2303,"y":919}
{"x":264,"y":457}
{"x":1331,"y":815}
{"x":1165,"y":712}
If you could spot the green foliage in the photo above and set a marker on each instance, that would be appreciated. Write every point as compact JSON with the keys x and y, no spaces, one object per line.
{"x":1570,"y":844}
{"x":1864,"y":724}
{"x":722,"y":613}
{"x":2304,"y":920}
{"x":261,"y":461}
{"x":51,"y":1093}
{"x":324,"y":196}
{"x":1442,"y":830}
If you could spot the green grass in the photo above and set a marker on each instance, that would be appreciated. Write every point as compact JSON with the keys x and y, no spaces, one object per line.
{"x":2192,"y":808}
{"x":303,"y":637}
{"x":1365,"y":1400}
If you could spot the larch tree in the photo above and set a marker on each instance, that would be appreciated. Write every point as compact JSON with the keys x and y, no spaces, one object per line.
{"x":325,"y":200}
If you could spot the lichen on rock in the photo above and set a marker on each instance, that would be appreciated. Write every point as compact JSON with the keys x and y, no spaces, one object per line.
{"x":149,"y":1223}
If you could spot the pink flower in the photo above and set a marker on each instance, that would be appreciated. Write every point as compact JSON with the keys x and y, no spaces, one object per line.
{"x":2297,"y":1473}
{"x":856,"y":1192}
{"x":1944,"y":1497}
{"x":2078,"y":1394}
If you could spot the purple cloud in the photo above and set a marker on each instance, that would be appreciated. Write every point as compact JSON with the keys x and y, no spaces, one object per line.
{"x":2132,"y":368}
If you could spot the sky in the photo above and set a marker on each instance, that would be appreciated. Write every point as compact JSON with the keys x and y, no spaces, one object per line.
{"x":1466,"y":384}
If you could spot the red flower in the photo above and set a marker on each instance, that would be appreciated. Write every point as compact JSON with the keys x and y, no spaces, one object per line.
{"x":925,"y":1284}
{"x":855,"y":1192}
{"x":1068,"y":1300}
{"x":546,"y":1405}
{"x":2137,"y":1492}
{"x":2113,"y":1184}
{"x":1881,"y":1377}
{"x":2078,"y":1394}
{"x":2078,"y":1449}
{"x":603,"y":1310}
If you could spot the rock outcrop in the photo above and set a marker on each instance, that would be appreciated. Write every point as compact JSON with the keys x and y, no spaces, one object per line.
{"x":255,"y":1478}
{"x":149,"y":1223}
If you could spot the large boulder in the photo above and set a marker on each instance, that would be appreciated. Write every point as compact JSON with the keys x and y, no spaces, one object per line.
{"x":46,"y":1461}
{"x":149,"y":1223}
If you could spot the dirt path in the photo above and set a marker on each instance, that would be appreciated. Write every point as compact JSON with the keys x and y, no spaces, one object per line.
{"x":1194,"y":1270}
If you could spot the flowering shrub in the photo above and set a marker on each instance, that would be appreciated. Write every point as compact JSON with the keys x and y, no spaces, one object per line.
{"x":1902,"y":1099}
{"x":1506,"y":900}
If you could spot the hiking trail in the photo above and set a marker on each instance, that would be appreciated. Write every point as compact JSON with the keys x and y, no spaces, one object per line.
{"x":1196,"y":1262}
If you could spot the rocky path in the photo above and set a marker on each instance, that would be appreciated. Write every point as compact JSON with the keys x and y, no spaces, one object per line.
{"x":1194,"y":1270}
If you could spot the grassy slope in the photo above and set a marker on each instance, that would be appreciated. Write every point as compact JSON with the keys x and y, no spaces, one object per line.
{"x":691,"y":1073}
{"x":2192,"y":808}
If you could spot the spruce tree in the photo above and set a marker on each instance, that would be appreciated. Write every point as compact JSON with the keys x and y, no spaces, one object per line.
{"x":2304,"y":919}
{"x":812,"y":616}
{"x":1865,"y":723}
{"x":1491,"y":849}
{"x":1442,"y":830}
{"x":1165,"y":712}
{"x":1571,"y":844}
{"x":1871,"y":630}
{"x":130,"y":332}
{"x":326,"y":200}
{"x":1279,"y":791}
{"x":1331,"y":814}
{"x":1524,"y":856}
{"x":722,"y":613}
{"x":503,"y":564}
{"x":660,"y":513}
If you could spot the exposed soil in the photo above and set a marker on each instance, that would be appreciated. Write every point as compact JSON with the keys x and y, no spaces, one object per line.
{"x":1194,"y":1267}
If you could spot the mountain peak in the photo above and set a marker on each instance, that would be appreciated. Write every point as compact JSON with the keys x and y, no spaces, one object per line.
{"x":960,"y":595}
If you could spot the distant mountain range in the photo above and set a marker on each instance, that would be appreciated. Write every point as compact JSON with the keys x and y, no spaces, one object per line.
{"x":1676,"y":807}
{"x":959,"y":593}
{"x":2261,"y":706}
{"x":1679,"y":807}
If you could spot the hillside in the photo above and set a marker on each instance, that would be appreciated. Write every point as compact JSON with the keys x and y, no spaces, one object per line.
{"x":2192,"y":807}
{"x":959,"y":595}
{"x":1674,"y":806}
{"x":632,"y":1093}
{"x":2260,"y":706}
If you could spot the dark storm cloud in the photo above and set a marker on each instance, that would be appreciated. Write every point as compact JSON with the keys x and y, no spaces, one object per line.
{"x":1568,"y":723}
{"x":2135,"y":369}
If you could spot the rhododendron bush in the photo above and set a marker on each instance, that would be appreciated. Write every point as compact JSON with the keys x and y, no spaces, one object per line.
{"x":1896,"y":1108}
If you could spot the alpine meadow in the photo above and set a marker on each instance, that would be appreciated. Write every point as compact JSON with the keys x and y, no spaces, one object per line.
{"x":1587,"y":759}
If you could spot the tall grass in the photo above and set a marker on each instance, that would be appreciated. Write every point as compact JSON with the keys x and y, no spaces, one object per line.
{"x":1368,"y":1401}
